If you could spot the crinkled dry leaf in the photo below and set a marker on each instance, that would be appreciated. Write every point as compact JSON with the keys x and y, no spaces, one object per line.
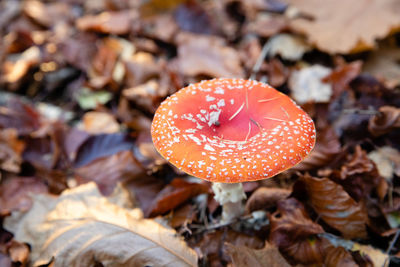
{"x":15,"y":193}
{"x":385,"y":121}
{"x":140,"y":68}
{"x":307,"y":85}
{"x":175,"y":194}
{"x":207,"y":55}
{"x":267,"y":25}
{"x":82,"y":228}
{"x":343,"y":27}
{"x":336,"y":207}
{"x":144,"y":95}
{"x":269,"y":256}
{"x":100,"y":123}
{"x":387,"y":161}
{"x":384,"y":65}
{"x":326,"y":148}
{"x":293,"y":232}
{"x":265,"y":198}
{"x":108,"y":171}
{"x":338,"y":256}
{"x":107,"y":22}
{"x":10,"y":150}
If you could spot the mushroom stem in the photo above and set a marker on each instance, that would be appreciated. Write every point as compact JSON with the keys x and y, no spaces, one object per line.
{"x":231,"y":197}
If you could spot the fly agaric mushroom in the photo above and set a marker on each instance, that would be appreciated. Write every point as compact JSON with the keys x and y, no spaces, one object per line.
{"x":229,"y":131}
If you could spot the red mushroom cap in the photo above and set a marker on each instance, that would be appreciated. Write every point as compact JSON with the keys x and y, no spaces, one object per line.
{"x":232,"y":130}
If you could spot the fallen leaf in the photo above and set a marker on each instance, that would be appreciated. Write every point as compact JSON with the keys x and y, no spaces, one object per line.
{"x":102,"y":145}
{"x":16,"y":192}
{"x":207,"y":55}
{"x":162,"y":27}
{"x":175,"y":194}
{"x":290,"y":47}
{"x":265,"y":198}
{"x":269,"y":256}
{"x":267,"y":25}
{"x":15,"y":70}
{"x":352,"y":28}
{"x":278,"y":74}
{"x":107,"y":22}
{"x":192,"y":17}
{"x":144,"y":95}
{"x":100,"y":123}
{"x":47,"y":14}
{"x":294,"y":233}
{"x":88,"y":99}
{"x":19,"y":253}
{"x":146,"y":153}
{"x":384,"y":65}
{"x":140,"y":68}
{"x":338,"y":256}
{"x":387,"y":160}
{"x":336,"y":207}
{"x":109,"y":170}
{"x":10,"y":150}
{"x":82,"y":228}
{"x":385,"y":121}
{"x":307,"y":85}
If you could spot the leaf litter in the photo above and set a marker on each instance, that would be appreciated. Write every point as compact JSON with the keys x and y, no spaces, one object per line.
{"x":81,"y":80}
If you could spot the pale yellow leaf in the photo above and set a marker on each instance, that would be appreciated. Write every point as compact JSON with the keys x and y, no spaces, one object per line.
{"x":83,"y":228}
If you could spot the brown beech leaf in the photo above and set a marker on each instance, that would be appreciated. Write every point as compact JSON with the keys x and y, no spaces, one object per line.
{"x":175,"y":194}
{"x":207,"y":55}
{"x":350,"y":25}
{"x":269,"y":256}
{"x":338,"y":256}
{"x":385,"y":121}
{"x":326,"y":148}
{"x":140,"y":68}
{"x":16,"y":69}
{"x":95,"y":122}
{"x":267,"y":25}
{"x":293,"y":232}
{"x":387,"y":161}
{"x":117,"y":22}
{"x":334,"y":205}
{"x":266,"y":197}
{"x":10,"y":150}
{"x":109,"y":170}
{"x":15,"y":193}
{"x":47,"y":14}
{"x":83,"y":228}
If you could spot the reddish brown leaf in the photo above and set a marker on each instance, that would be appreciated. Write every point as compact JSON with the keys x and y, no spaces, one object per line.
{"x":265,"y":197}
{"x":266,"y":25}
{"x":109,"y":170}
{"x":107,"y":22}
{"x":10,"y":150}
{"x":15,"y":193}
{"x":334,"y":205}
{"x":47,"y":14}
{"x":19,"y":252}
{"x":269,"y":256}
{"x":292,"y":231}
{"x":175,"y":194}
{"x":385,"y":121}
{"x":338,"y":256}
{"x":207,"y":55}
{"x":192,"y":17}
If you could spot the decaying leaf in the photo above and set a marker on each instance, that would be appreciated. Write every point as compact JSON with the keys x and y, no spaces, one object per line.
{"x":341,"y":27}
{"x":100,"y":123}
{"x":10,"y":150}
{"x":107,"y":22}
{"x":385,"y":121}
{"x":293,"y":232}
{"x":83,"y":228}
{"x":207,"y":55}
{"x":265,"y":198}
{"x":17,"y":69}
{"x":269,"y":256}
{"x":336,"y":207}
{"x":290,"y":47}
{"x":175,"y":194}
{"x":338,"y":256}
{"x":387,"y":160}
{"x":307,"y":85}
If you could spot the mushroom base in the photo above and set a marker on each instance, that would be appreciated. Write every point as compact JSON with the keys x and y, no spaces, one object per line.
{"x":231,"y":197}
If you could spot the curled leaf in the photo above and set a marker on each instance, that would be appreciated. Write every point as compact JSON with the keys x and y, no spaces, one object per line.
{"x":334,"y":205}
{"x":385,"y":121}
{"x":265,"y":198}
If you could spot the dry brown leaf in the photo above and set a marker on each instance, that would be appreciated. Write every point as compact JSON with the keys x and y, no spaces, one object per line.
{"x":100,"y":122}
{"x":83,"y":228}
{"x":338,"y":256}
{"x":265,"y":198}
{"x":47,"y":14}
{"x":175,"y":194}
{"x":293,"y":232}
{"x":387,"y":161}
{"x":108,"y":171}
{"x":107,"y":22}
{"x":15,"y":70}
{"x":266,"y":25}
{"x":385,"y":121}
{"x":338,"y":26}
{"x":207,"y":55}
{"x":336,"y":207}
{"x":10,"y":150}
{"x":384,"y":64}
{"x":269,"y":256}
